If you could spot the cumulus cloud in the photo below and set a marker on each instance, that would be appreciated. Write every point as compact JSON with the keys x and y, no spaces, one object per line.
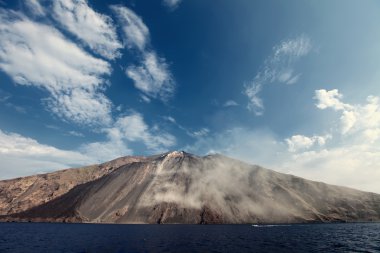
{"x":329,"y":99}
{"x":301,"y":142}
{"x":94,"y":29}
{"x":22,"y":156}
{"x":278,"y":67}
{"x":360,"y":120}
{"x":152,"y":75}
{"x":36,"y":54}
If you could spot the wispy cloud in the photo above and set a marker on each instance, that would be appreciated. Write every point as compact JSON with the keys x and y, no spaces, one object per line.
{"x":17,"y":108}
{"x":5,"y":98}
{"x":171,"y":4}
{"x":135,"y":32}
{"x":278,"y":67}
{"x":202,"y":132}
{"x":35,"y":7}
{"x":230,"y":103}
{"x":152,"y":75}
{"x":75,"y":133}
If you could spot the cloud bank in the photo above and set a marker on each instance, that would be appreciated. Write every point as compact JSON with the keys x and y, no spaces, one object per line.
{"x":25,"y":156}
{"x":346,"y":153}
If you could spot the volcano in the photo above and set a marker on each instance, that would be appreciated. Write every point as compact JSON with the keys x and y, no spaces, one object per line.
{"x":178,"y":187}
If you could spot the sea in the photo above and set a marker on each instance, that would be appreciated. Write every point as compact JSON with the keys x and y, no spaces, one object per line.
{"x":61,"y":237}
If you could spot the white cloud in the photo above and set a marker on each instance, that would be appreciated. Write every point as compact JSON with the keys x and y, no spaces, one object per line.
{"x":291,"y":49}
{"x":301,"y":142}
{"x":255,"y":102}
{"x":82,"y":107}
{"x":329,"y":99}
{"x":360,"y":121}
{"x":201,"y":133}
{"x":35,"y":54}
{"x":230,"y":103}
{"x":128,"y":129}
{"x":21,"y":156}
{"x":257,"y":146}
{"x":351,"y":164}
{"x":107,"y":150}
{"x":355,"y":165}
{"x":350,"y":158}
{"x":286,"y":76}
{"x":35,"y":7}
{"x":278,"y":67}
{"x":171,"y":4}
{"x":152,"y":77}
{"x":293,"y":79}
{"x":170,"y":119}
{"x":197,"y":134}
{"x":94,"y":29}
{"x":134,"y":128}
{"x":75,"y":133}
{"x":136,"y":34}
{"x":145,"y":98}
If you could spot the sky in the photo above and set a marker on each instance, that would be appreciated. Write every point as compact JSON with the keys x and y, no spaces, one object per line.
{"x":293,"y":86}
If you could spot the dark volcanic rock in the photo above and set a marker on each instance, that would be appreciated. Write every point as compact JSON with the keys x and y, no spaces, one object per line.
{"x":178,"y":187}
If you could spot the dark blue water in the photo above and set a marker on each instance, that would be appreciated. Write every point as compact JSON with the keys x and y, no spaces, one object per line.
{"x":45,"y":237}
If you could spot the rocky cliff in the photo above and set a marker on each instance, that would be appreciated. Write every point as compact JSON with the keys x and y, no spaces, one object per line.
{"x":178,"y":187}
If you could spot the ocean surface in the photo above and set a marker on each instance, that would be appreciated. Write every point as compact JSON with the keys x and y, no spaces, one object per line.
{"x":48,"y":237}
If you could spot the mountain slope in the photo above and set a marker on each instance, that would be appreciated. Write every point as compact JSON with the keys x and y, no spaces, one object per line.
{"x":178,"y":187}
{"x":20,"y":194}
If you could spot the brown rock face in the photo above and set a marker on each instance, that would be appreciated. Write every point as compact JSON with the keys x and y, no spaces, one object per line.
{"x":178,"y":187}
{"x":21,"y":194}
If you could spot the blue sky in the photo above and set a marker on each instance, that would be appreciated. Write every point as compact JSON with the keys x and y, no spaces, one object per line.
{"x":292,"y":86}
